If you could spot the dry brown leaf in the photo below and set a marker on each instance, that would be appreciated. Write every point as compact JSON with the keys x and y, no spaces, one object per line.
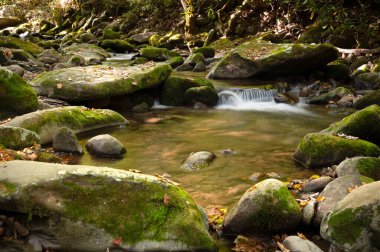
{"x":301,"y":235}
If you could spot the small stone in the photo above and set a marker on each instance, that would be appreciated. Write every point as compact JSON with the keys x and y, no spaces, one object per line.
{"x":308,"y":213}
{"x":198,"y":160}
{"x":317,"y":185}
{"x":65,"y":140}
{"x":105,"y":146}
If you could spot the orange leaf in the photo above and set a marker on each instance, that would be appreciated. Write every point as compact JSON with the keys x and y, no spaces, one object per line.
{"x":59,"y":85}
{"x":321,"y":198}
{"x":301,"y":235}
{"x":166,"y":199}
{"x":116,"y":241}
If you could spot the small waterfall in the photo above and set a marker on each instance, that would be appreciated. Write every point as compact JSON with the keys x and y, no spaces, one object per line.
{"x":239,"y":96}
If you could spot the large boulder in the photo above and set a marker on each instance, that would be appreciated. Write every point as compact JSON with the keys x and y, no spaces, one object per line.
{"x":367,"y":100}
{"x":205,"y":94}
{"x":366,"y":166}
{"x":354,"y":223}
{"x":364,"y":124}
{"x":17,"y":138}
{"x":335,"y":192}
{"x":16,"y":43}
{"x":16,"y":96}
{"x":317,"y":150}
{"x":367,"y":81}
{"x":85,"y":208}
{"x":90,"y":52}
{"x":105,"y":146}
{"x":258,"y":58}
{"x":266,"y":207}
{"x":79,"y":119}
{"x":96,"y":82}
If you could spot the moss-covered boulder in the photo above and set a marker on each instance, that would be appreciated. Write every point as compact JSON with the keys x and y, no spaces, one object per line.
{"x":95,"y":82}
{"x":12,"y":42}
{"x":317,"y":149}
{"x":364,"y":124}
{"x":110,"y":34}
{"x":266,"y":207}
{"x":117,"y":45}
{"x":366,"y":166}
{"x":89,"y":52}
{"x":16,"y":96}
{"x":367,"y":100}
{"x":174,"y":89}
{"x":207,"y":51}
{"x":261,"y":58}
{"x":175,"y":61}
{"x":157,"y":54}
{"x":86,"y":37}
{"x":6,"y":22}
{"x":367,"y":81}
{"x":337,"y":70}
{"x":79,"y":119}
{"x":205,"y":94}
{"x":194,"y":59}
{"x":17,"y":138}
{"x":353,"y":224}
{"x":333,"y":95}
{"x":94,"y":206}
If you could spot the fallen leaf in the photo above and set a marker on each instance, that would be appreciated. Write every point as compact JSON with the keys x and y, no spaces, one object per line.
{"x":134,"y":83}
{"x":321,"y":198}
{"x":252,"y":188}
{"x":116,"y":241}
{"x":59,"y":85}
{"x":153,"y":120}
{"x":282,"y":247}
{"x":315,"y":176}
{"x":166,"y":199}
{"x":350,"y":189}
{"x":301,"y":235}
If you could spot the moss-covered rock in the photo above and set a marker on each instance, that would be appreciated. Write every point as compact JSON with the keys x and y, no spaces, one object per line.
{"x":88,"y":51}
{"x":367,"y":100}
{"x":110,"y":34}
{"x":174,"y":89}
{"x":157,"y":54}
{"x":79,"y":119}
{"x":102,"y":204}
{"x":207,"y":51}
{"x":334,"y":192}
{"x":95,"y":82}
{"x":364,"y":124}
{"x":117,"y":45}
{"x":367,"y":81}
{"x":194,"y":58}
{"x":16,"y":96}
{"x":312,"y":34}
{"x":353,"y":224}
{"x":260,"y":58}
{"x":337,"y":70}
{"x":17,"y":138}
{"x":175,"y":61}
{"x":333,"y":95}
{"x":205,"y":95}
{"x":316,"y":149}
{"x":12,"y":42}
{"x":266,"y":207}
{"x":87,"y":37}
{"x":366,"y":166}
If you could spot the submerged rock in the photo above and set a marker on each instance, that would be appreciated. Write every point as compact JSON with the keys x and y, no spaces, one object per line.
{"x":354,"y":223}
{"x":198,"y":160}
{"x":317,"y":150}
{"x":65,"y":140}
{"x":85,"y":208}
{"x":266,"y":207}
{"x":260,"y":58}
{"x":17,"y":138}
{"x":79,"y":119}
{"x":95,"y":82}
{"x":364,"y":124}
{"x":335,"y":192}
{"x":366,"y":166}
{"x":16,"y":96}
{"x":105,"y":146}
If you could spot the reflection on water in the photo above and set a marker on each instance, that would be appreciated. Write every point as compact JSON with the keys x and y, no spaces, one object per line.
{"x":264,"y":143}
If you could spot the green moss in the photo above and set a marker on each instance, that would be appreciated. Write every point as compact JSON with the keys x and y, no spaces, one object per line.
{"x":49,"y":158}
{"x":132,"y":210}
{"x":204,"y":94}
{"x":16,"y":96}
{"x":110,"y":34}
{"x":11,"y":42}
{"x":175,"y":61}
{"x":369,"y":167}
{"x":337,"y":70}
{"x":157,"y":54}
{"x":367,"y":100}
{"x":174,"y":89}
{"x":333,"y":95}
{"x":207,"y":51}
{"x":364,"y":124}
{"x":317,"y":149}
{"x":7,"y":188}
{"x":117,"y":45}
{"x":17,"y":138}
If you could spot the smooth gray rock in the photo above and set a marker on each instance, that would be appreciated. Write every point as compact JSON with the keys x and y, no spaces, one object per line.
{"x":66,"y":140}
{"x":297,"y":244}
{"x":266,"y":207}
{"x":335,"y":192}
{"x":105,"y":146}
{"x":366,"y":166}
{"x":308,"y":213}
{"x":198,"y":160}
{"x":354,"y":223}
{"x":16,"y":69}
{"x":317,"y":185}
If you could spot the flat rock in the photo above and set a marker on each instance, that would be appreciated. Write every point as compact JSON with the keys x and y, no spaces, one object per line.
{"x":85,"y":208}
{"x":95,"y":82}
{"x":79,"y":119}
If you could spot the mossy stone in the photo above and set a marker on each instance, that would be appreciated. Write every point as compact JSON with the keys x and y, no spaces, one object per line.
{"x":364,"y":124}
{"x":157,"y":54}
{"x":87,"y":51}
{"x":337,"y":70}
{"x":366,"y":166}
{"x":205,"y":95}
{"x":86,"y":37}
{"x":318,"y":150}
{"x":16,"y":96}
{"x":17,"y":138}
{"x":110,"y":34}
{"x":369,"y":81}
{"x":332,"y":95}
{"x":207,"y":51}
{"x":11,"y":42}
{"x":117,"y":45}
{"x":175,"y":62}
{"x":194,"y":58}
{"x":367,"y":100}
{"x":266,"y":207}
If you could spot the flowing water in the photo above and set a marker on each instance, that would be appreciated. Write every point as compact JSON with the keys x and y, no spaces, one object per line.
{"x":261,"y":134}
